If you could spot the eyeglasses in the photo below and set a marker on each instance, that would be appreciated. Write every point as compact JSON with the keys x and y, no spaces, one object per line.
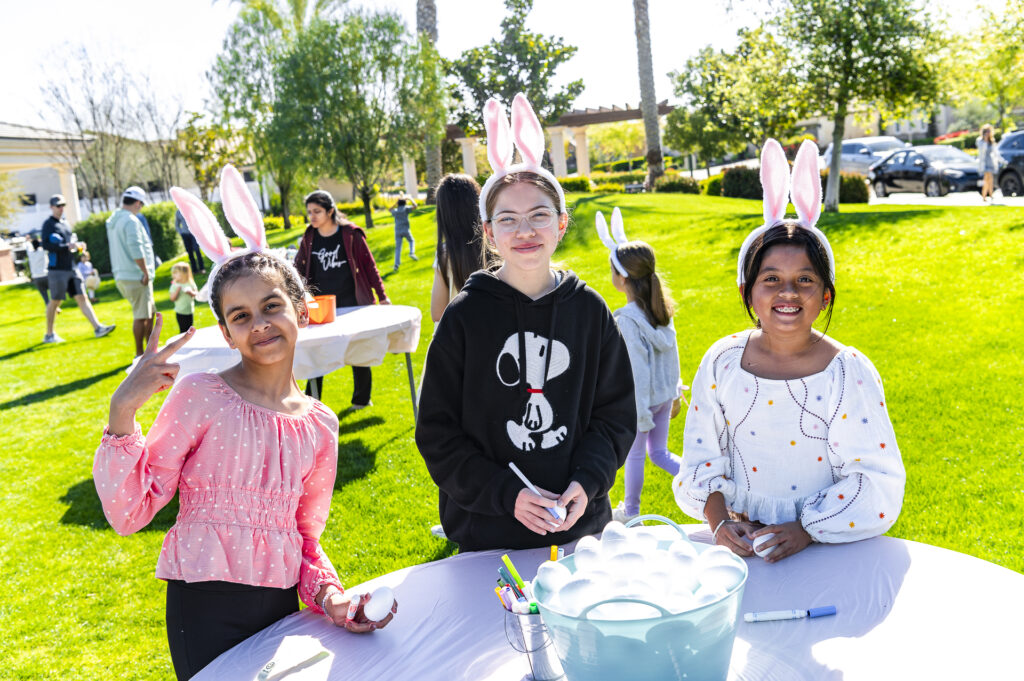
{"x":510,"y":222}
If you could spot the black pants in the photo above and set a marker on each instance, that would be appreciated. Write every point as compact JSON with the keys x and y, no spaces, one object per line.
{"x":362,"y":386}
{"x":184,"y":321}
{"x":206,"y":618}
{"x":195,"y":256}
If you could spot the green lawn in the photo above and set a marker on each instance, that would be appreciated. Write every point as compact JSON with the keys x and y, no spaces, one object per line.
{"x":932,"y":296}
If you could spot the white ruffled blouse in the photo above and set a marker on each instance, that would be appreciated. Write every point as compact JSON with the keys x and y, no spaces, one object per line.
{"x":820,"y":448}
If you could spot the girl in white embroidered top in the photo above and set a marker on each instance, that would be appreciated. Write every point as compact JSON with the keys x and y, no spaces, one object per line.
{"x":787,"y":435}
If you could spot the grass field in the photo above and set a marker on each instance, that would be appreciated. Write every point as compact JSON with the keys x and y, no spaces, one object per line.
{"x":932,"y":296}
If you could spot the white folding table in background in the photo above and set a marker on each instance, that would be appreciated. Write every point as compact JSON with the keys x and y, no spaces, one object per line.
{"x":358,"y":336}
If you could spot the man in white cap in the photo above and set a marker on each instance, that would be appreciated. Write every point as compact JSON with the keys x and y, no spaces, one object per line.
{"x":131,"y":259}
{"x":62,"y":276}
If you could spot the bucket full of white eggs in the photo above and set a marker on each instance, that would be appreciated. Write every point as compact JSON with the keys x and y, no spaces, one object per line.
{"x":641,"y":604}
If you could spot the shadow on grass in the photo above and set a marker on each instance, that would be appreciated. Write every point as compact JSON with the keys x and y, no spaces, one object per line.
{"x":446,"y":550}
{"x":12,"y":355}
{"x":355,"y":459}
{"x":85,"y":510}
{"x":59,"y":390}
{"x":41,"y":317}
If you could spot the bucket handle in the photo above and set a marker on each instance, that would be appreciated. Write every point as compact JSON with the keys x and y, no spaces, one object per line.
{"x":586,"y":611}
{"x":660,"y":518}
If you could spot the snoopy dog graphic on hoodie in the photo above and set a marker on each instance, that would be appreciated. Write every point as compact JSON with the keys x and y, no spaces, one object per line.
{"x":542,"y":359}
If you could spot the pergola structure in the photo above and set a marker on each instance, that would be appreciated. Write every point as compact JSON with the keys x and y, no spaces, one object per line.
{"x":23,"y":148}
{"x":573,"y":124}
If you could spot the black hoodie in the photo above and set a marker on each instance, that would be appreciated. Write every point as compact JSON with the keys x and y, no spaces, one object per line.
{"x":480,"y":408}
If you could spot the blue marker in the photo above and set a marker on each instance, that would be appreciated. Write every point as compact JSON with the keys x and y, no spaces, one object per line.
{"x":776,"y":615}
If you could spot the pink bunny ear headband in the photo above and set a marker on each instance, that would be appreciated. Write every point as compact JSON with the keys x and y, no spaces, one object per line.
{"x":804,"y":187}
{"x":240,"y":210}
{"x":529,"y":139}
{"x":615,"y":239}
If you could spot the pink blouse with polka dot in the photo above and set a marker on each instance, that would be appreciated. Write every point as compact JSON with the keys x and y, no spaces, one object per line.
{"x":254,"y":487}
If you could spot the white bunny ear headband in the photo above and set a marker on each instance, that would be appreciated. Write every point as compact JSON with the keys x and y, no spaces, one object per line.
{"x":803,"y":186}
{"x":529,"y":139}
{"x":615,"y":239}
{"x":240,"y":210}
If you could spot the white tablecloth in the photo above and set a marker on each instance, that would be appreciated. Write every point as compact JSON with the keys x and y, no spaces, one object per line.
{"x":905,"y":611}
{"x":359,"y":336}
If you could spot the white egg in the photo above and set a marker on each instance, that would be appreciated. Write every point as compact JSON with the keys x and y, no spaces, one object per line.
{"x":707,"y":595}
{"x":379,"y":606}
{"x":614,"y":538}
{"x":715,"y":555}
{"x":552,"y":576}
{"x":578,"y":593}
{"x":721,"y":577}
{"x":586,"y":559}
{"x":659,"y":579}
{"x":677,"y":602}
{"x":761,"y":540}
{"x":682,"y":547}
{"x":645,"y":539}
{"x":588,"y":541}
{"x":626,"y":563}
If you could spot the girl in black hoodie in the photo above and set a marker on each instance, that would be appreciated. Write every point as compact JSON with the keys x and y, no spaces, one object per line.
{"x":527,"y":365}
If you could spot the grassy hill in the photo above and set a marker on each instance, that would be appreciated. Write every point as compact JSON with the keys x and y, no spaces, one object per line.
{"x":932,"y":296}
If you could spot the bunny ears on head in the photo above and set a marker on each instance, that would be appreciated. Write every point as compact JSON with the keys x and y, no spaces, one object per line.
{"x":615,"y":239}
{"x":803,"y":186}
{"x":528,"y":137}
{"x":239,"y":208}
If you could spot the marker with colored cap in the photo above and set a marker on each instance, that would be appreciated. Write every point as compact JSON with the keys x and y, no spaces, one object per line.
{"x":776,"y":615}
{"x":512,"y":571}
{"x":558,"y":512}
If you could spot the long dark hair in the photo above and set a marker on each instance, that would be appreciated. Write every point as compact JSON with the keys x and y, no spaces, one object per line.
{"x":649,"y":293}
{"x":787,"y":233}
{"x":325,"y":201}
{"x":461,"y":248}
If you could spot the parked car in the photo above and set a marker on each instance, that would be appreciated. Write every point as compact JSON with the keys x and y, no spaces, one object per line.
{"x":935,"y":170}
{"x":1011,"y":175}
{"x":860,"y":153}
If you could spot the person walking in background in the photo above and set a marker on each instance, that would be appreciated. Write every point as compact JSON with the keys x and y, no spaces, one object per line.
{"x":183,"y":294}
{"x":131,"y":259}
{"x":461,"y":246}
{"x":988,"y":162}
{"x":402,"y":230}
{"x":37,"y":258}
{"x":335,"y":260}
{"x":195,"y":256}
{"x":62,"y":278}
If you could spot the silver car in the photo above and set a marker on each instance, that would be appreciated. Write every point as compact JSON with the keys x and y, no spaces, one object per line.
{"x":860,"y":153}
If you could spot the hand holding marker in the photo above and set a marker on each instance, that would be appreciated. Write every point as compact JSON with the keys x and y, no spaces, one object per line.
{"x":558,"y":512}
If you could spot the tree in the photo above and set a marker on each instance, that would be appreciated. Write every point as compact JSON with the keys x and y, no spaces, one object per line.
{"x":10,"y":197}
{"x":289,"y":18}
{"x":206,"y":148}
{"x":245,"y":78}
{"x":158,"y":124}
{"x":997,"y":67}
{"x":695,"y":132}
{"x":615,"y":141}
{"x":648,"y":101}
{"x":518,"y":61}
{"x":358,"y":84}
{"x":752,"y":93}
{"x":426,"y":25}
{"x":868,"y":53}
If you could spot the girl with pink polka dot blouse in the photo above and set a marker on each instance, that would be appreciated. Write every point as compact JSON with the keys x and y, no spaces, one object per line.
{"x":787,"y":438}
{"x":252,"y":459}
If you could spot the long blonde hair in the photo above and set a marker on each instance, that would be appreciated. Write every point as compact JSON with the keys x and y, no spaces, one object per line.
{"x":183,"y":267}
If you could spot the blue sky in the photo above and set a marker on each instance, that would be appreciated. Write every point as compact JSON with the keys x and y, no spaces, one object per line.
{"x":173,"y":42}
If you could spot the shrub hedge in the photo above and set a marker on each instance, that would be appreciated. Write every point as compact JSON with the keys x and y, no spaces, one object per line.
{"x":272,"y":222}
{"x":610,"y":188}
{"x":853,"y":187}
{"x":622,"y":178}
{"x":575,"y":184}
{"x":741,"y":182}
{"x":712,"y":186}
{"x":166,"y":242}
{"x":679,"y":184}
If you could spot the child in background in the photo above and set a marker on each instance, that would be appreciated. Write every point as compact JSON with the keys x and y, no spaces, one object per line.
{"x":183,"y":295}
{"x":526,"y":366}
{"x":787,"y":435}
{"x":90,"y":278}
{"x":461,"y":246}
{"x":251,"y":457}
{"x":646,"y":326}
{"x":38,"y":260}
{"x":403,"y":232}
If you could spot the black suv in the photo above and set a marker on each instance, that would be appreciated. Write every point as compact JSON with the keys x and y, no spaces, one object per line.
{"x":1011,"y":176}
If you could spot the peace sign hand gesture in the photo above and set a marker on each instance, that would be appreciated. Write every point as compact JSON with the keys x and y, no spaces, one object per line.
{"x":152,"y":373}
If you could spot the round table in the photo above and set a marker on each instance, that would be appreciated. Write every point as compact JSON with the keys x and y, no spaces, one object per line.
{"x":358,"y":336}
{"x":905,"y":611}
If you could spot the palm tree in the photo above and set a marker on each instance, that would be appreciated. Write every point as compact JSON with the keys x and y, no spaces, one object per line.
{"x":290,"y":17}
{"x":426,"y":23}
{"x":648,"y":102}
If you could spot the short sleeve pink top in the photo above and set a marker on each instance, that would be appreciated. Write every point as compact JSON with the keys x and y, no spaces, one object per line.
{"x":255,"y":487}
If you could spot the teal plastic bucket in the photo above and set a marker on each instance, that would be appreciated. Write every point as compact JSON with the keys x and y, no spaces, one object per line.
{"x":694,"y":645}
